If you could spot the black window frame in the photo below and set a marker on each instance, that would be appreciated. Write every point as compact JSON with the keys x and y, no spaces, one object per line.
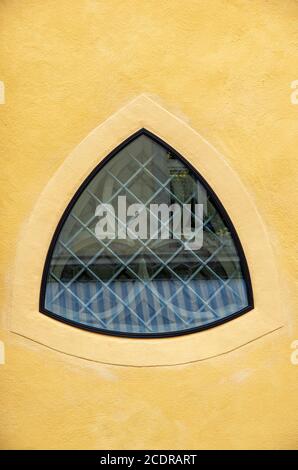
{"x":217,"y":204}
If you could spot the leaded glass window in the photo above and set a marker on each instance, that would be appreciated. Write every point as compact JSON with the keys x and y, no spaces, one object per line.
{"x":145,"y":249}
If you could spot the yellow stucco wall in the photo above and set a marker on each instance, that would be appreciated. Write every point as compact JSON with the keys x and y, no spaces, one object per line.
{"x":223,"y":66}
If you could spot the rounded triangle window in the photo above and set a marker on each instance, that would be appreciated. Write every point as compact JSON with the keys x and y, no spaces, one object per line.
{"x":146,"y":249}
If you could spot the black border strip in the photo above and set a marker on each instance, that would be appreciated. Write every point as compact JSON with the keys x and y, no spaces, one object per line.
{"x":216,"y":202}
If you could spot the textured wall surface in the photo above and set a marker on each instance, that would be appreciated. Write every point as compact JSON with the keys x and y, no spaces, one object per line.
{"x":224,"y":66}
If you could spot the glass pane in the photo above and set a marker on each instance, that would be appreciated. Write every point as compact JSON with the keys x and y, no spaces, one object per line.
{"x":125,"y":262}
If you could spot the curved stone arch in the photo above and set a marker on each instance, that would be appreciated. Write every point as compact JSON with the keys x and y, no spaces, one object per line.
{"x":143,"y":112}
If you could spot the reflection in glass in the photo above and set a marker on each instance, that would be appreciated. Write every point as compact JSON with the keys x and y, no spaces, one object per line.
{"x":144,"y":286}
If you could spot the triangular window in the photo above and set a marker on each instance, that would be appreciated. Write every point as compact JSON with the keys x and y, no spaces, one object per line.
{"x":145,"y":249}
